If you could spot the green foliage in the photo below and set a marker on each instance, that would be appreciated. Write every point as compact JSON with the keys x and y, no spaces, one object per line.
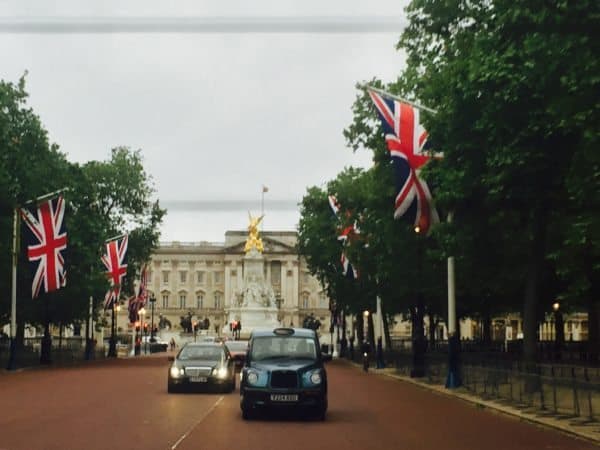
{"x":103,"y":199}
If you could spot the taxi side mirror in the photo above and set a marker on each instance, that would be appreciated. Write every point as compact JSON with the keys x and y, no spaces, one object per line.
{"x":325,"y":357}
{"x":171,"y":358}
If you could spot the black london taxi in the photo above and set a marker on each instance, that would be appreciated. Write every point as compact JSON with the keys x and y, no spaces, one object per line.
{"x":201,"y":366}
{"x":284,"y":369}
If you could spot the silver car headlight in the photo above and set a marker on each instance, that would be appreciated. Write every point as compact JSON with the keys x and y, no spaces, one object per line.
{"x":315,"y":377}
{"x":177,"y":372}
{"x":220,"y":372}
{"x":252,"y":377}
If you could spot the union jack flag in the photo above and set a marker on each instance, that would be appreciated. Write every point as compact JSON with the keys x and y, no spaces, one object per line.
{"x":137,"y":302}
{"x":115,"y":261}
{"x":133,"y":309}
{"x":407,"y":142}
{"x":143,"y":288}
{"x":345,"y":234}
{"x":46,"y":236}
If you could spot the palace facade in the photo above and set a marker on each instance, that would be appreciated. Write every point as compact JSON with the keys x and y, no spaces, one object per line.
{"x":199,"y":279}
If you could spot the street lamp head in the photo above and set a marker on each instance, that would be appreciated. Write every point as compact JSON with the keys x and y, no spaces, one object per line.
{"x":142,"y":312}
{"x":555,"y":306}
{"x":366,"y":313}
{"x":417,"y":229}
{"x":117,"y":307}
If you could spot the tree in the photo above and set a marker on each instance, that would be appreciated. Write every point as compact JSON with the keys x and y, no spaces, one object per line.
{"x":513,"y":88}
{"x":103,"y":199}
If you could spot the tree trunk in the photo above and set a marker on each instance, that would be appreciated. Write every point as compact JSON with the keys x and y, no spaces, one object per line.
{"x":487,"y":330}
{"x":532,"y":294}
{"x":593,"y":349}
{"x":432,"y":326}
{"x":386,"y":328}
{"x":371,"y":330}
{"x":593,"y":344}
{"x":45,"y":357}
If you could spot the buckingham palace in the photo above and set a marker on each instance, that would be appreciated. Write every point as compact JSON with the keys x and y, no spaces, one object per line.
{"x":199,"y":280}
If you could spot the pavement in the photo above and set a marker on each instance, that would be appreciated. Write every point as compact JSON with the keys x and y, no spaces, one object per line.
{"x":589,"y":431}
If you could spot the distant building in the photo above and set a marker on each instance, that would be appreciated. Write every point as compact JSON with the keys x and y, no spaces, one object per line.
{"x":199,"y":279}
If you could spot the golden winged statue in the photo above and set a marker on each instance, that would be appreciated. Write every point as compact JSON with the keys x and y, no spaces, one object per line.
{"x":254,"y":241}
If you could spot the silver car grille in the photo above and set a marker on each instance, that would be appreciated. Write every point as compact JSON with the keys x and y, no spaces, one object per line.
{"x":198,"y":371}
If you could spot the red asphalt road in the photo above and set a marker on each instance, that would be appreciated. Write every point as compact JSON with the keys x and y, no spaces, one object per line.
{"x":123,"y":404}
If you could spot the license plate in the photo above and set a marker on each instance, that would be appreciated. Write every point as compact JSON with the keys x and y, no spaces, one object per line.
{"x":198,"y":379}
{"x":284,"y":397}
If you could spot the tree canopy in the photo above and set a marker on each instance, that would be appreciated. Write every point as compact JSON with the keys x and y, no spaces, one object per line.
{"x":103,"y":198}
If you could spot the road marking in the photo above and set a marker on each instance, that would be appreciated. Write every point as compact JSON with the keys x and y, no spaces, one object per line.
{"x":186,"y":434}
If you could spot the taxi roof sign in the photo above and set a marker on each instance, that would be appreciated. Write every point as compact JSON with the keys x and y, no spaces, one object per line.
{"x":283,"y":331}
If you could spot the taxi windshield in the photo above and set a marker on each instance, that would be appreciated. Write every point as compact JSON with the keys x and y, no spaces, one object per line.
{"x":278,"y":347}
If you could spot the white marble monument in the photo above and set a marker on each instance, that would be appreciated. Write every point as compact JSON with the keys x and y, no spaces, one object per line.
{"x":254,"y":303}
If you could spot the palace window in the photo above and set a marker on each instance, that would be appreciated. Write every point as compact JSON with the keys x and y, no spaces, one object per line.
{"x":217,"y":277}
{"x":149,"y":275}
{"x":165,"y":277}
{"x":199,"y":301}
{"x":182,"y":301}
{"x":305,"y":301}
{"x":165,"y":301}
{"x":217,"y":300}
{"x":276,"y":272}
{"x":183,"y":277}
{"x":200,"y":277}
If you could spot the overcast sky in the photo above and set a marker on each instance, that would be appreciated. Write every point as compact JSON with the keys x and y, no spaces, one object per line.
{"x":216,"y":115}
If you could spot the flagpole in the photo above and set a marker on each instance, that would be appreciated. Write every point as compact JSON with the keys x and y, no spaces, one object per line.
{"x":115,"y":237}
{"x":395,"y":97}
{"x":41,"y":198}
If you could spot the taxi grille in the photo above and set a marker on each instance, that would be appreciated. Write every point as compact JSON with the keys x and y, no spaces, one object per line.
{"x":284,"y":379}
{"x":198,"y":371}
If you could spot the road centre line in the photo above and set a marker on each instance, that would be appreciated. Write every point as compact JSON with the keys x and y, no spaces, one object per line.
{"x":186,"y":434}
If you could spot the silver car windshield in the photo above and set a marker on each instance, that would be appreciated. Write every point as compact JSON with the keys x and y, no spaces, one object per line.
{"x":204,"y":353}
{"x":277,"y":347}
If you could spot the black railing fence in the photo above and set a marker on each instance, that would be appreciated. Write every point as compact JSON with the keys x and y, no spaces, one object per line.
{"x":66,"y":350}
{"x":564,"y":385}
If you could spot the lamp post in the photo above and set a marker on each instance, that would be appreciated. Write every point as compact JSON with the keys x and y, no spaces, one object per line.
{"x":560,"y":329}
{"x":142,"y":313}
{"x":152,"y":301}
{"x":366,"y":326}
{"x":418,"y":369}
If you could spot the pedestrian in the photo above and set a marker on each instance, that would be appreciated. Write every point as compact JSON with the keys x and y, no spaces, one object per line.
{"x":172,"y":344}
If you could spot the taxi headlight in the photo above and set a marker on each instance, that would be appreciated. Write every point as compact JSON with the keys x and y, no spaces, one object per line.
{"x":315,"y":378}
{"x":176,"y":372}
{"x":252,"y":377}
